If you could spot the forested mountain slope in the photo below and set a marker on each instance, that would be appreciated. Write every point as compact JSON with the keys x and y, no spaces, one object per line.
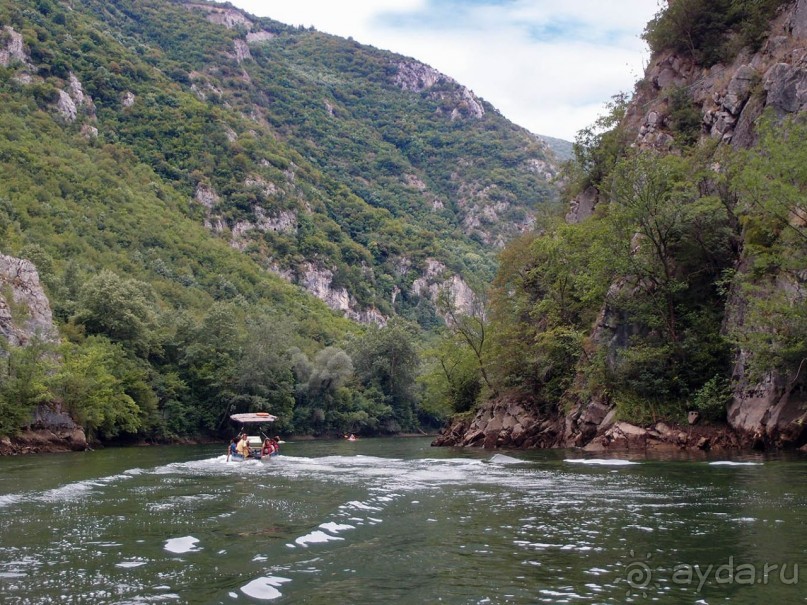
{"x":189,"y":180}
{"x":340,"y":167}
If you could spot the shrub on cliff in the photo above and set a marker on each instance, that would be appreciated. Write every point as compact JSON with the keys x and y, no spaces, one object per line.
{"x":711,"y":31}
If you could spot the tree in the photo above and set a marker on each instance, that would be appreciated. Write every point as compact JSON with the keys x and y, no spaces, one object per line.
{"x":452,"y":383}
{"x":210,"y":353}
{"x":598,"y":148}
{"x":121,"y":309}
{"x":265,"y":381}
{"x":331,"y":369}
{"x":23,"y":382}
{"x":92,"y":394}
{"x":771,"y":185}
{"x":386,"y":359}
{"x":469,"y":326}
{"x":649,"y":193}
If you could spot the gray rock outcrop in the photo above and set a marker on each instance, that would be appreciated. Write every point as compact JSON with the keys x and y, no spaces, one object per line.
{"x":25,"y":311}
{"x":417,"y":77}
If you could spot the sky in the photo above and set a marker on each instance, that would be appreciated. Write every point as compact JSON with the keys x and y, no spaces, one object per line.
{"x":547,"y":65}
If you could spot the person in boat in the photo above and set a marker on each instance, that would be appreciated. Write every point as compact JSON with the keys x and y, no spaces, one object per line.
{"x":268,"y":448}
{"x":232,"y":449}
{"x":352,"y":437}
{"x":242,"y":449}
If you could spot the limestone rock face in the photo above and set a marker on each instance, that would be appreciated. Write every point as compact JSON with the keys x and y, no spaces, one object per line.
{"x":582,"y":206}
{"x":436,"y":279}
{"x":786,"y":86}
{"x":13,"y":49}
{"x":417,"y":77}
{"x":25,"y":314}
{"x":258,"y":37}
{"x":51,"y":430}
{"x":222,"y":15}
{"x":504,"y":423}
{"x":66,"y":107}
{"x":771,"y":413}
{"x":730,"y":96}
{"x":241,"y":50}
{"x":24,"y":309}
{"x":319,"y":281}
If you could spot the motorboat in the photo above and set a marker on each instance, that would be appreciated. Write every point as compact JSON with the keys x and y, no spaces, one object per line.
{"x":255,"y":424}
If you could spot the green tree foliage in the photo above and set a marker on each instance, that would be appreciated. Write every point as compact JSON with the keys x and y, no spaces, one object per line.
{"x":598,"y":148}
{"x":87,"y":386}
{"x":121,"y":309}
{"x":469,"y":326}
{"x":545,"y":299}
{"x":710,"y":31}
{"x":628,"y":305}
{"x":23,"y":383}
{"x":771,"y":185}
{"x":265,"y":378}
{"x":680,"y":245}
{"x":385,"y":359}
{"x":451,"y":381}
{"x":208,"y":361}
{"x":322,"y":398}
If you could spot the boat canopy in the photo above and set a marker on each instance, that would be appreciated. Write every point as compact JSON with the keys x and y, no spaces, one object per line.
{"x":253,"y":418}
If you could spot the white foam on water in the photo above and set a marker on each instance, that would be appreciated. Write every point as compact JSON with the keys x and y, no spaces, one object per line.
{"x":264,"y":589}
{"x":130,"y":564}
{"x":601,"y":461}
{"x":335,"y":528}
{"x":316,"y":537}
{"x":10,"y":499}
{"x":732,"y":463}
{"x":69,"y":491}
{"x":502,"y":459}
{"x":359,"y":505}
{"x":181,"y":545}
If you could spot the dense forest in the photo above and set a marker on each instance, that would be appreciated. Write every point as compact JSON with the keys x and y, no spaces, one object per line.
{"x":185,"y":176}
{"x":181,"y":173}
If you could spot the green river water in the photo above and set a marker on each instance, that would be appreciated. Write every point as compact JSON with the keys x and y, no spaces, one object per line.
{"x":396,"y":521}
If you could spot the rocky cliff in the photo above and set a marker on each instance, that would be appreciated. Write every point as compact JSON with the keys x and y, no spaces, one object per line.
{"x":24,"y":308}
{"x":729,"y":97}
{"x":25,"y":315}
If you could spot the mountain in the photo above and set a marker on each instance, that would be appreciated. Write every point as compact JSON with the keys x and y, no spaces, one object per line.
{"x":200,"y":201}
{"x":668,"y":307}
{"x":339,"y":167}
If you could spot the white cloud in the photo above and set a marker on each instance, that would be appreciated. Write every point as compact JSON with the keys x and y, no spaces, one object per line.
{"x":547,"y":65}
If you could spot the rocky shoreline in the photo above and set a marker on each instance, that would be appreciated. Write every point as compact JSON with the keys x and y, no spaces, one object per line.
{"x":515,"y":423}
{"x":44,"y":441}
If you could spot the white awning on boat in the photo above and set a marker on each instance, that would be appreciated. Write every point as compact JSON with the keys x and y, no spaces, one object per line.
{"x":253,"y":417}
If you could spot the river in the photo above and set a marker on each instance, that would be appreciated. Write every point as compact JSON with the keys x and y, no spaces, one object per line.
{"x":396,"y":521}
